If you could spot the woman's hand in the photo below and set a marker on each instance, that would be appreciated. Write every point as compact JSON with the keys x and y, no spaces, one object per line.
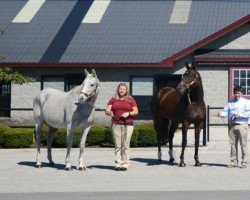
{"x":109,"y":113}
{"x":125,"y":115}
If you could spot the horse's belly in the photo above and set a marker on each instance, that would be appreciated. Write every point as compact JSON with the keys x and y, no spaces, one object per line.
{"x":55,"y":119}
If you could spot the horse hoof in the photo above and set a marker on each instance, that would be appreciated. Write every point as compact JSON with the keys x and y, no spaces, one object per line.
{"x":51,"y":164}
{"x":182,"y":164}
{"x":171,"y":161}
{"x":198,"y":164}
{"x":82,"y":168}
{"x":68,"y":168}
{"x":39,"y":166}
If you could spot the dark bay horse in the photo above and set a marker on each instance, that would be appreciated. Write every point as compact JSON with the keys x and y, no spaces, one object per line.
{"x":183,"y":104}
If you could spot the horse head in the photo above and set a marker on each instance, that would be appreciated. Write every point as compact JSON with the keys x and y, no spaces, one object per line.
{"x":89,"y":87}
{"x":190,"y":79}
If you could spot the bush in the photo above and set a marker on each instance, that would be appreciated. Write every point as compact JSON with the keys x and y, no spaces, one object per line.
{"x":146,"y":135}
{"x":3,"y":129}
{"x":18,"y":138}
{"x":96,"y":135}
{"x":143,"y":135}
{"x":108,"y":138}
{"x":60,"y":138}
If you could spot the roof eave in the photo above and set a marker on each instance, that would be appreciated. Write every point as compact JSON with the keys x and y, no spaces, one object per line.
{"x":78,"y":64}
{"x":171,"y":60}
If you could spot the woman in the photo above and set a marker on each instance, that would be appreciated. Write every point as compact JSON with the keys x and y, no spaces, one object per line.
{"x":122,"y":108}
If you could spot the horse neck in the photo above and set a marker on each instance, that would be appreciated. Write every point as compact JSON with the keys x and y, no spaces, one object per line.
{"x":197,"y":94}
{"x":74,"y":92}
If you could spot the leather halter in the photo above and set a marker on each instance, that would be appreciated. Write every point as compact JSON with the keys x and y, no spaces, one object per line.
{"x":89,"y":96}
{"x":188,"y":87}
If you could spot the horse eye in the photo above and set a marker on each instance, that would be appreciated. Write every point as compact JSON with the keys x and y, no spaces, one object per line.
{"x":92,"y":85}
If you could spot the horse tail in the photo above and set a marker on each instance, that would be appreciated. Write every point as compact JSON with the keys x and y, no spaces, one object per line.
{"x":37,"y":109}
{"x":161,"y":124}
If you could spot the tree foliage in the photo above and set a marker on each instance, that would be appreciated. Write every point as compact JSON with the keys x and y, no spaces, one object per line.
{"x":7,"y":74}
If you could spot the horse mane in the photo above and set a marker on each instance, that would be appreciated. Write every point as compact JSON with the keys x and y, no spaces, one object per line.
{"x":77,"y":89}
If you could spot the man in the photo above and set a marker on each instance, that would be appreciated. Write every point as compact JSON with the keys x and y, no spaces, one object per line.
{"x":238,"y":112}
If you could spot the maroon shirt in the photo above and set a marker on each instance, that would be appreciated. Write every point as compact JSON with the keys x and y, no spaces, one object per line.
{"x":121,"y":106}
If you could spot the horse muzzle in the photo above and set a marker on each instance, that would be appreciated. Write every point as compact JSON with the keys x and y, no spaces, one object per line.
{"x":82,"y":98}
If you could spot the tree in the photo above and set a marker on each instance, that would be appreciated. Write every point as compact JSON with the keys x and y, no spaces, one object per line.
{"x":7,"y":74}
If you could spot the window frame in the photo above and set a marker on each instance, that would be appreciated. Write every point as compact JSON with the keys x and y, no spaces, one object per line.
{"x":231,"y":80}
{"x":144,"y":114}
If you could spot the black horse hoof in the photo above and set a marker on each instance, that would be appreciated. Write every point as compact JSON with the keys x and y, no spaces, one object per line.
{"x":171,"y":161}
{"x":182,"y":164}
{"x":68,"y":168}
{"x":39,"y":166}
{"x":197,"y":164}
{"x":51,"y":164}
{"x":82,"y":168}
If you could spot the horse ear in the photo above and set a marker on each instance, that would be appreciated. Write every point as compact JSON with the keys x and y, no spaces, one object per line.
{"x":86,"y":72}
{"x":93,"y":72}
{"x":187,"y":66}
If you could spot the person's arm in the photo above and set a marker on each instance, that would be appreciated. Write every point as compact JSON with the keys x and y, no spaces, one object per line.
{"x":246,"y":112}
{"x":134,"y":111}
{"x":224,"y":113}
{"x":108,"y":111}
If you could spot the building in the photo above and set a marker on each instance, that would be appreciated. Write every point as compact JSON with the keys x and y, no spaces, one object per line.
{"x":142,"y":42}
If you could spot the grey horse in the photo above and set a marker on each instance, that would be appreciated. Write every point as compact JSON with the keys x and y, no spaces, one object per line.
{"x":71,"y":109}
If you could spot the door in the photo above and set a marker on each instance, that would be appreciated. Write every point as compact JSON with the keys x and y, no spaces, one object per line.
{"x":5,"y":94}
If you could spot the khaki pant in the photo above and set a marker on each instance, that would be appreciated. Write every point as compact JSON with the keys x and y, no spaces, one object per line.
{"x":122,"y":135}
{"x":238,"y":133}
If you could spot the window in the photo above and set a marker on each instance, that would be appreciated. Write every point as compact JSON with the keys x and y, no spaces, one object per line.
{"x":142,"y":89}
{"x":240,"y":76}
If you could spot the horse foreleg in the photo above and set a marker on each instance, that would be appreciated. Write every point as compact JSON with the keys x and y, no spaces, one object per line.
{"x":197,"y":143}
{"x":38,"y":130}
{"x":49,"y":144}
{"x":184,"y":143}
{"x":69,"y":145}
{"x":82,"y":146}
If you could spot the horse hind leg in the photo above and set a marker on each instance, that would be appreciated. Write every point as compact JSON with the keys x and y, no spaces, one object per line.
{"x":162,"y":134}
{"x":51,"y":134}
{"x":173,"y":127}
{"x":70,"y":131}
{"x":38,"y":130}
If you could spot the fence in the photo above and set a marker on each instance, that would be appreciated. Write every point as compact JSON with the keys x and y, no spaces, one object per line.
{"x":146,"y":114}
{"x":208,"y":124}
